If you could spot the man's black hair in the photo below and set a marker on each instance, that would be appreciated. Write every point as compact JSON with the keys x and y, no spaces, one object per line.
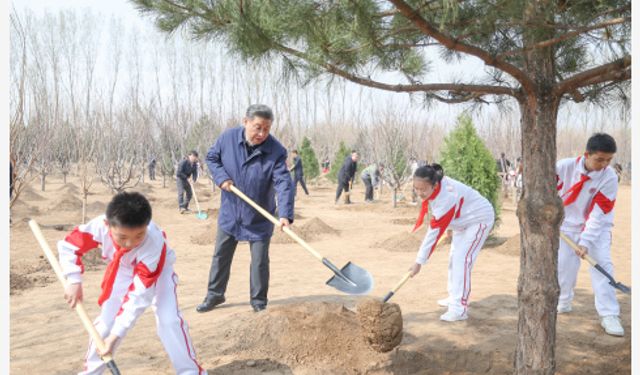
{"x":432,"y":173}
{"x":294,"y":150}
{"x":601,"y":142}
{"x":194,"y":153}
{"x":131,"y":210}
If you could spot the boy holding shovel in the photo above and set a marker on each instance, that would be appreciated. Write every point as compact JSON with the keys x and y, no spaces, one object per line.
{"x":139,"y":274}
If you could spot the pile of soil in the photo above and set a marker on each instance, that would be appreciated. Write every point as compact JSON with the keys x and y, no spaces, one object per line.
{"x":323,"y":337}
{"x":67,"y":203}
{"x":96,"y":208}
{"x":23,"y":209}
{"x":381,"y":324}
{"x":143,"y":188}
{"x":29,"y":194}
{"x":69,"y":189}
{"x":309,"y":231}
{"x":206,"y":237}
{"x":511,"y":247}
{"x":30,"y":276}
{"x":401,"y":242}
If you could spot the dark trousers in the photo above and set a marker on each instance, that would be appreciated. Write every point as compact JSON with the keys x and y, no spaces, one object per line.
{"x":368,"y":193}
{"x":221,"y":267}
{"x":184,"y":193}
{"x":301,"y":181}
{"x":342,"y":185}
{"x":152,"y":173}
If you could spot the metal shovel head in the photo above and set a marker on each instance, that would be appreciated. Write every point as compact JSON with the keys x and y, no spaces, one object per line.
{"x":361,"y":278}
{"x":202,"y":215}
{"x":621,"y":287}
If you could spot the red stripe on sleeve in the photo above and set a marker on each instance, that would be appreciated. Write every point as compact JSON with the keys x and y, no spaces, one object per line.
{"x":441,"y":224}
{"x":605,"y":204}
{"x":146,"y":276}
{"x":84,"y":242}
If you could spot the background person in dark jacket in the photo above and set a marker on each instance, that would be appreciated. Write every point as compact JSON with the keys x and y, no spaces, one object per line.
{"x":255,"y":162}
{"x":298,"y":173}
{"x":186,"y":168}
{"x":346,"y":175}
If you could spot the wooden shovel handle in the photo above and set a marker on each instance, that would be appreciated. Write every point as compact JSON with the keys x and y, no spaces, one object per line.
{"x":82,"y":313}
{"x":575,"y":247}
{"x":195,"y":197}
{"x":275,"y":221}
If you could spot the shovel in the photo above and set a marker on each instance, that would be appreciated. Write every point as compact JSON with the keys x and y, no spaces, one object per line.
{"x":621,"y":287}
{"x":404,"y":279}
{"x":200,"y":215}
{"x":350,"y":279}
{"x":82,"y":313}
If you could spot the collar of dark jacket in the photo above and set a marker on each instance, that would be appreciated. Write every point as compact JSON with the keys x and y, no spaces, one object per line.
{"x":264,"y":147}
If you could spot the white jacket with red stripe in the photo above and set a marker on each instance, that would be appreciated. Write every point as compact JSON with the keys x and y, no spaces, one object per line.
{"x":592,"y":212}
{"x":139,"y":267}
{"x":455,"y":205}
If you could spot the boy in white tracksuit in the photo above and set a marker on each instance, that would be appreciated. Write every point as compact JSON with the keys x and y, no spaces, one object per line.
{"x":140,"y":274}
{"x":588,"y":188}
{"x":459,"y":207}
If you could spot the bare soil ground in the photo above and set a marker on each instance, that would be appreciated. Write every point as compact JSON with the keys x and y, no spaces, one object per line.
{"x":308,"y":327}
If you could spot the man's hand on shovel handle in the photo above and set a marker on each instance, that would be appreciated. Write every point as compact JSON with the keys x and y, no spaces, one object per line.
{"x":109,"y":344}
{"x":414,"y":269}
{"x":583,"y":251}
{"x":226,"y":185}
{"x":73,"y":294}
{"x":284,"y":222}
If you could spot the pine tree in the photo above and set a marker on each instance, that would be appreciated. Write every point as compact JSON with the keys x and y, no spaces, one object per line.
{"x":338,"y":159}
{"x":466,"y":159}
{"x":310,"y":163}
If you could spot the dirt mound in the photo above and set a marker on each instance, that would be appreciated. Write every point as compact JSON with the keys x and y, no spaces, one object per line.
{"x":97,"y":207}
{"x":23,"y":209}
{"x":67,"y":203}
{"x":142,"y":188}
{"x":309,"y":231}
{"x":70,"y":189}
{"x":324,"y":337}
{"x":206,"y":237}
{"x":401,"y":242}
{"x":381,"y":324}
{"x":29,"y":194}
{"x":510,"y":247}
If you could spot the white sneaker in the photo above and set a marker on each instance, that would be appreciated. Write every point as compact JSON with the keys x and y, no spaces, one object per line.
{"x":443,"y":302}
{"x":451,"y":316}
{"x":612,"y":325}
{"x":563,"y":309}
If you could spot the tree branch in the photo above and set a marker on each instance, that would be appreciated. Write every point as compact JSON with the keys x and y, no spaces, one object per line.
{"x":455,"y":45}
{"x":569,"y":35}
{"x":615,"y":70}
{"x":460,"y":88}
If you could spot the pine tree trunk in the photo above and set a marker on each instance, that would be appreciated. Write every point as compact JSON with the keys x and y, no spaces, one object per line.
{"x":539,"y":212}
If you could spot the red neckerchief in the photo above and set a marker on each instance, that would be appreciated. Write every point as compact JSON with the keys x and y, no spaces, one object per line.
{"x":111,"y":272}
{"x":574,"y":191}
{"x":425,"y":207}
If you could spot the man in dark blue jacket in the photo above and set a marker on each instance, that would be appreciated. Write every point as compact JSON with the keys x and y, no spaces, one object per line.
{"x":255,"y":162}
{"x":346,"y":175}
{"x":187,"y":168}
{"x":298,"y":173}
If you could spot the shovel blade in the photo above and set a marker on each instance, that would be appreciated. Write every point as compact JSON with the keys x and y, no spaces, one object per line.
{"x":361,"y":278}
{"x":621,"y":287}
{"x":202,"y":215}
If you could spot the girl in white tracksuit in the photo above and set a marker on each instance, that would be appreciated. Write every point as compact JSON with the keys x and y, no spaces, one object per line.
{"x":588,"y":188}
{"x":139,"y":274}
{"x":459,"y":207}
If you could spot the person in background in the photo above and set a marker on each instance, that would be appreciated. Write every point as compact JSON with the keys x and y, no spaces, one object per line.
{"x":346,"y":175}
{"x":187,"y":168}
{"x":371,"y":176}
{"x":298,"y":173}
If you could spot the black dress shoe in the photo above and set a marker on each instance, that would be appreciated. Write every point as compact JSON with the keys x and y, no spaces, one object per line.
{"x":209,"y":303}
{"x":258,"y":308}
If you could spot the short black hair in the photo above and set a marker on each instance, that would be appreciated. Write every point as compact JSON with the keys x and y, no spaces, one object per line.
{"x":294,"y":151}
{"x":194,"y":153}
{"x":131,"y":210}
{"x":601,"y":142}
{"x":431,"y":173}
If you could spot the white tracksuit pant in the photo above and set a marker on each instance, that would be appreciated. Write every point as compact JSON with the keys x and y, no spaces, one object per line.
{"x":465,"y":246}
{"x":569,"y":264}
{"x":171,"y":327}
